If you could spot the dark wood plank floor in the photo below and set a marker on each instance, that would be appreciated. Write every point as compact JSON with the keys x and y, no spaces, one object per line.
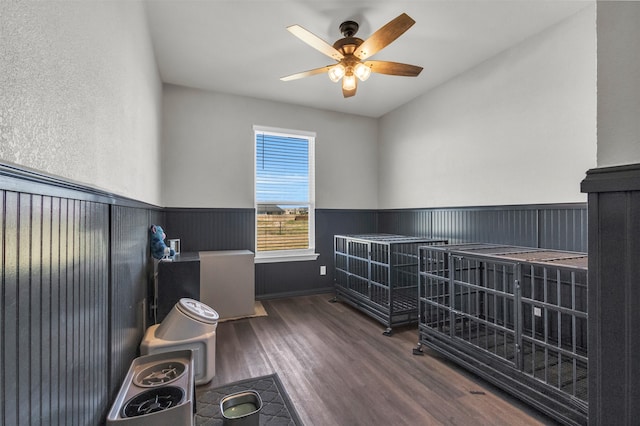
{"x":339,"y":369}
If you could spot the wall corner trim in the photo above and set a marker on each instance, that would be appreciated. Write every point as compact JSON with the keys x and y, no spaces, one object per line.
{"x":612,"y":179}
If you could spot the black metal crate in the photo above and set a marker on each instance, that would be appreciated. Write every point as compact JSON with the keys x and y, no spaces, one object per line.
{"x":378,"y":274}
{"x":516,"y":316}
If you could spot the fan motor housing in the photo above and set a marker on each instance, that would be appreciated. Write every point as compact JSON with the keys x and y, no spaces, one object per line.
{"x":348,"y":45}
{"x":349,"y":28}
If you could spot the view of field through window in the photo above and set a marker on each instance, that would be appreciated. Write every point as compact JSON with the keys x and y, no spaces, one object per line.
{"x":282,"y":227}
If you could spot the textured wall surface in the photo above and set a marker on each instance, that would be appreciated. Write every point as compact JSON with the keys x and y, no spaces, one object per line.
{"x":80,"y":94}
{"x":208,"y":150}
{"x":518,"y":129}
{"x":618,"y":88}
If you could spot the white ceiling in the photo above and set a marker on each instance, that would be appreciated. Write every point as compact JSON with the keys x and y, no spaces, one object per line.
{"x":242,"y":47}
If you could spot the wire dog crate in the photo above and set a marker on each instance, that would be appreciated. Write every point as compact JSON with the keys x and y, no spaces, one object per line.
{"x":378,"y":274}
{"x":516,"y":316}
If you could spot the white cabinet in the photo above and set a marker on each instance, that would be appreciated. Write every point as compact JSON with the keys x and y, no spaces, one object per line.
{"x":227,"y":282}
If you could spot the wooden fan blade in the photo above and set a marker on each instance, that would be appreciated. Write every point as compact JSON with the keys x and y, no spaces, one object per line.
{"x":349,"y":93}
{"x":306,"y":73}
{"x":315,"y":42}
{"x":393,"y":68}
{"x":384,"y":36}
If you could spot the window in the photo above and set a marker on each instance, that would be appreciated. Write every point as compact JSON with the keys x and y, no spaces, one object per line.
{"x":284,"y":195}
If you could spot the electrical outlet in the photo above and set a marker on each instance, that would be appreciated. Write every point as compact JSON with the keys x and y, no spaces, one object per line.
{"x":537,"y":311}
{"x":323,"y":270}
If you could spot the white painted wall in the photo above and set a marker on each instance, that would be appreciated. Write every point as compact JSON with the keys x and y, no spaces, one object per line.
{"x":80,"y":94}
{"x":80,"y":98}
{"x":618,"y":83}
{"x":518,"y":129}
{"x":208,"y":150}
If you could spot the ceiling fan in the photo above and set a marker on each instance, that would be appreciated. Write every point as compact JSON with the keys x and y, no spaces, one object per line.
{"x":351,"y":53}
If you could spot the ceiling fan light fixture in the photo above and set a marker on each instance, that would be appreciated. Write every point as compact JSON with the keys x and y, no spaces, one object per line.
{"x":352,"y":53}
{"x":362,"y":71}
{"x":336,"y":73}
{"x":349,"y":82}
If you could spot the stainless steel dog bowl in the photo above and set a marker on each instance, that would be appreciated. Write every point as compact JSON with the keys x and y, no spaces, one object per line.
{"x":241,"y":409}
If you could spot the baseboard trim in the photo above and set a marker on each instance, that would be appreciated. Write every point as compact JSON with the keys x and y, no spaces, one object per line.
{"x":286,"y":294}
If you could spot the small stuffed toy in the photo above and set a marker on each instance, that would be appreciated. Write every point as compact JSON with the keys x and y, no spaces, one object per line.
{"x":159,"y":249}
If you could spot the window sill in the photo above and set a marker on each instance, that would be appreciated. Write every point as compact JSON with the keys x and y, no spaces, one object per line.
{"x":285,"y":257}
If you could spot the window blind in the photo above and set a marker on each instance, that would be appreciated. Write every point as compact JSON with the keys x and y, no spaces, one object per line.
{"x":282,"y":169}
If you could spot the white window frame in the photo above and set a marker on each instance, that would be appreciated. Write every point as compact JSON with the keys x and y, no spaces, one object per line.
{"x":288,"y":255}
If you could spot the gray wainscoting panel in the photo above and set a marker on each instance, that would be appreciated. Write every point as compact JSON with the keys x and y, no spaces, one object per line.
{"x":614,"y":294}
{"x":406,"y":222}
{"x":501,"y":226}
{"x":287,"y":279}
{"x":233,"y":229}
{"x":549,"y":226}
{"x":557,"y":226}
{"x":564,"y":228}
{"x":54,"y":310}
{"x":131,"y":274}
{"x":293,"y":278}
{"x":211,"y":229}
